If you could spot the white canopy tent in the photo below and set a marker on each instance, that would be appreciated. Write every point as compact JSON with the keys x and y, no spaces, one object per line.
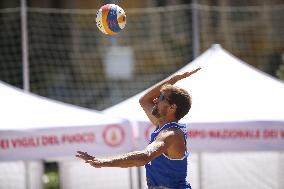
{"x":36,"y":128}
{"x":235,"y":108}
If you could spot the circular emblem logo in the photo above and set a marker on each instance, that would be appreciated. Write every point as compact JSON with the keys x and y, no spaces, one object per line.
{"x":114,"y":135}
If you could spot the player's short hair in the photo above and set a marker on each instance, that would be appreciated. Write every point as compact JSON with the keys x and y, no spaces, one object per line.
{"x":180,"y":97}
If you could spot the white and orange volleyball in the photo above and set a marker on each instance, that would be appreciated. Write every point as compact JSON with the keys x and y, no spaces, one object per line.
{"x":111,"y":19}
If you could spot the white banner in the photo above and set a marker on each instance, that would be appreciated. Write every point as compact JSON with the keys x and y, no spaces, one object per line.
{"x":59,"y":142}
{"x":237,"y":136}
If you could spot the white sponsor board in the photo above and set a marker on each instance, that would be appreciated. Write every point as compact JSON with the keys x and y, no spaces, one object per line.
{"x":226,"y":136}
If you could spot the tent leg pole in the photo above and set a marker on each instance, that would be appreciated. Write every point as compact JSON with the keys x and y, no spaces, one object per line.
{"x":130,"y":178}
{"x":27,"y":176}
{"x":139,"y":177}
{"x":200,"y":170}
{"x":281,"y":169}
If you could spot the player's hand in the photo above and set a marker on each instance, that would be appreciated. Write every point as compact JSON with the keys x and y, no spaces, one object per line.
{"x":183,"y":75}
{"x":89,"y":159}
{"x":84,"y":156}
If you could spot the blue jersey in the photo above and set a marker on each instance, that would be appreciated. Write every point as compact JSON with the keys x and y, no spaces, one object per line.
{"x":164,"y":171}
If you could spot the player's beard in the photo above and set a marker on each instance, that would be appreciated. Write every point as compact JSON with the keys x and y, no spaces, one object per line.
{"x":155,"y":112}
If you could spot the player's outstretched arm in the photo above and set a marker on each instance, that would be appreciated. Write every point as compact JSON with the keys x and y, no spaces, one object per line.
{"x":136,"y":158}
{"x":146,"y":101}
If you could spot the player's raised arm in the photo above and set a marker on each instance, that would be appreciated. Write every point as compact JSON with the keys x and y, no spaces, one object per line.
{"x":147,"y":100}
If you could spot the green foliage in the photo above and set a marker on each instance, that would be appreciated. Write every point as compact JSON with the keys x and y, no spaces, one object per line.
{"x":280,"y":72}
{"x":51,"y":176}
{"x":52,"y":180}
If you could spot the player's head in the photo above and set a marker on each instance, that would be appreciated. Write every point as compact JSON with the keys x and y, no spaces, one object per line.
{"x":177,"y":98}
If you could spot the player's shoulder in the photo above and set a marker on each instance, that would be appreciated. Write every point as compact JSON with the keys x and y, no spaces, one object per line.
{"x":170,"y":136}
{"x":171,"y":132}
{"x":174,"y":127}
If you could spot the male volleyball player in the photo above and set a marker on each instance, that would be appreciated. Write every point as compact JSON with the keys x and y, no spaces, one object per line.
{"x":165,"y":158}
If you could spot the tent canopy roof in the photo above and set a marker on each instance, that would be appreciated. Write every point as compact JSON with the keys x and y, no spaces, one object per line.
{"x":23,"y":110}
{"x":226,"y":89}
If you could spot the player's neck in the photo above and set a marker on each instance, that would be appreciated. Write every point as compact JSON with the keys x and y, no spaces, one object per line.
{"x":162,"y":122}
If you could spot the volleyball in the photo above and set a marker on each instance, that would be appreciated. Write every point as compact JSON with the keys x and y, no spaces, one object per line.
{"x":110,"y":19}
